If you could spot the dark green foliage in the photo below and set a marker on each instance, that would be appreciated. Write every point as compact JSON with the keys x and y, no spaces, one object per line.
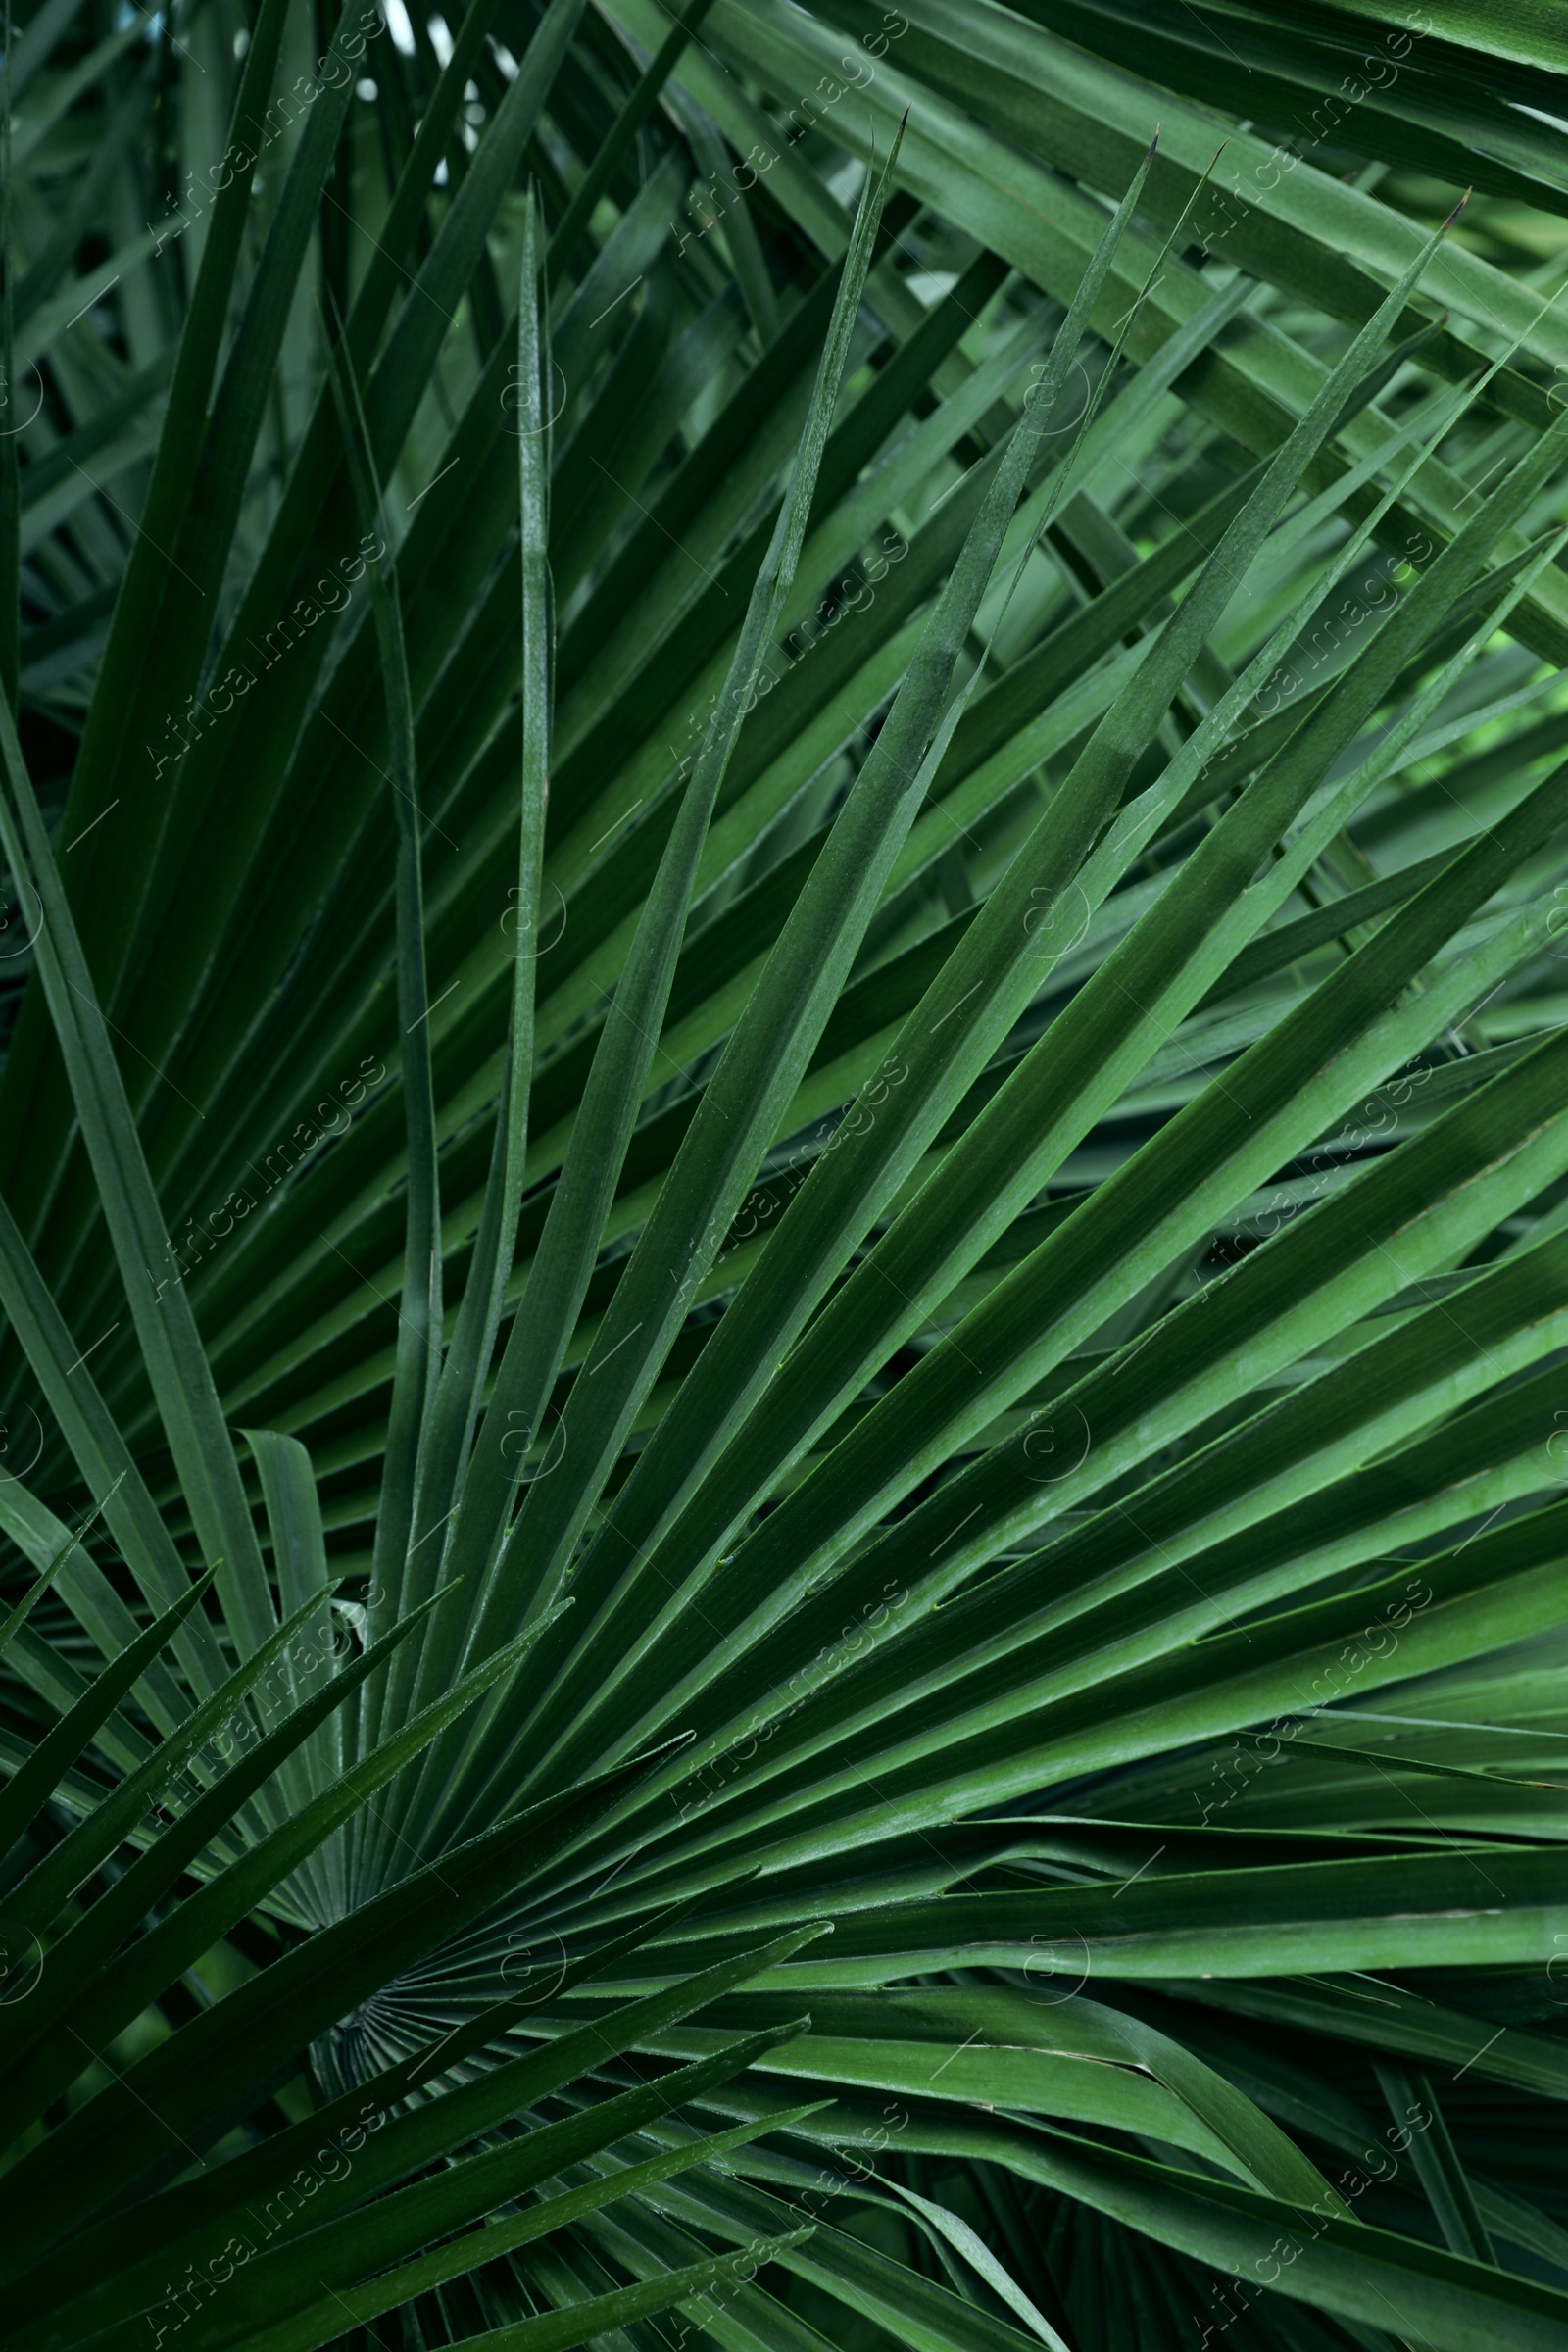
{"x":783,"y":1258}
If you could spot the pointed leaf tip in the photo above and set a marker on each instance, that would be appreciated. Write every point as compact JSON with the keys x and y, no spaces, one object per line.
{"x":1457,"y":209}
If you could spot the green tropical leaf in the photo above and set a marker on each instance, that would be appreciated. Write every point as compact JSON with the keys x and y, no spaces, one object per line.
{"x":782,"y":1009}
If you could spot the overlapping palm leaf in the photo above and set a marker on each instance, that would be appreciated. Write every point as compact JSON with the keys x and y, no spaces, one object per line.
{"x":785,"y":1145}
